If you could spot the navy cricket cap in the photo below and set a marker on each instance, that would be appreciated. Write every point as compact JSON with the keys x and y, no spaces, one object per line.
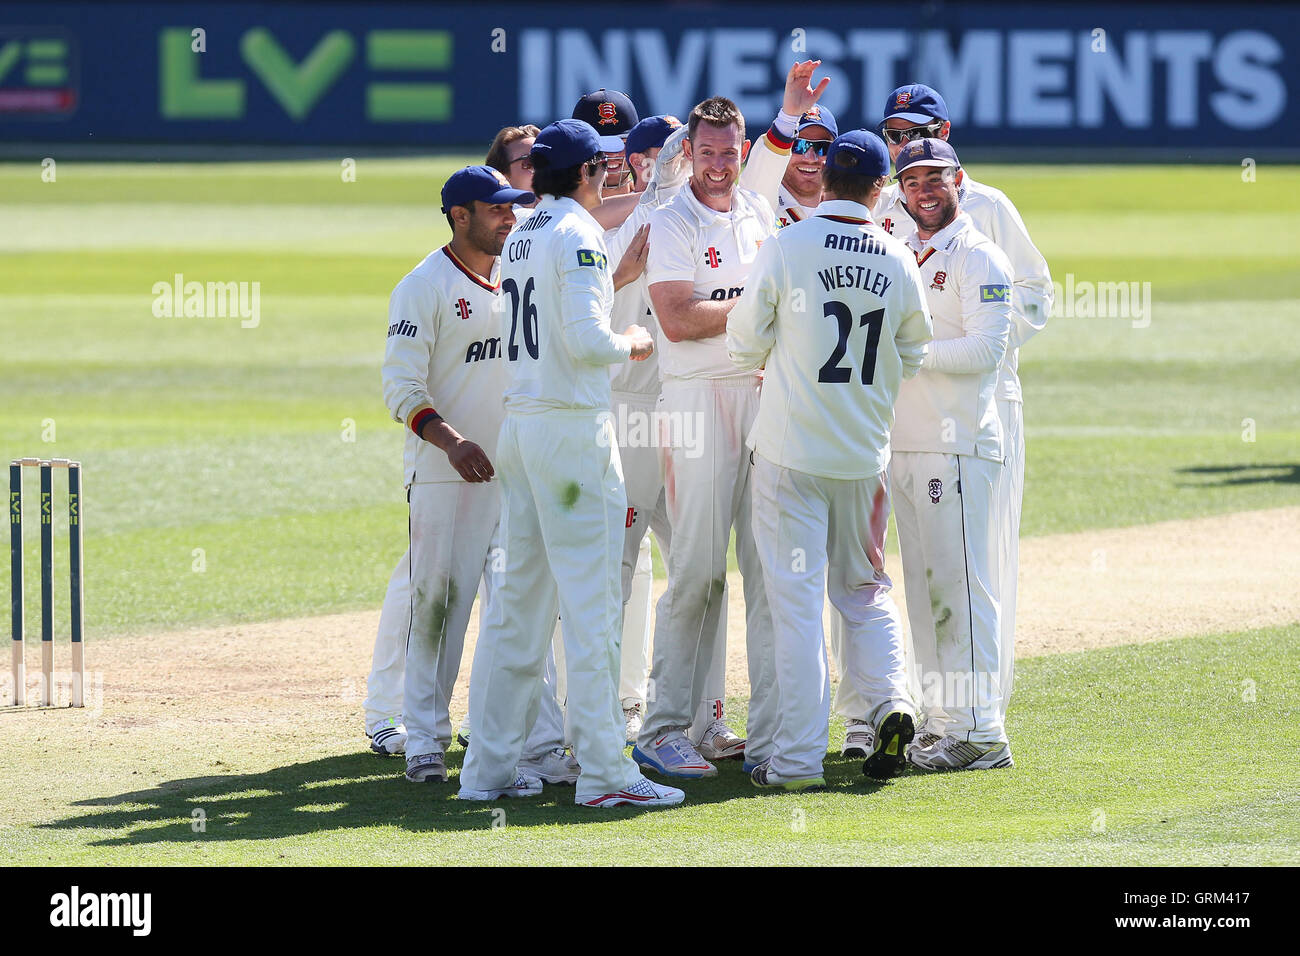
{"x":566,"y":143}
{"x":916,"y":104}
{"x":651,"y":132}
{"x":817,"y":116}
{"x":611,"y":114}
{"x":859,"y":152}
{"x":925,"y":152}
{"x":481,"y":184}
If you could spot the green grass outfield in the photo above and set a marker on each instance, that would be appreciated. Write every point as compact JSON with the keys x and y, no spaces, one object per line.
{"x":247,"y":474}
{"x":1143,"y":755}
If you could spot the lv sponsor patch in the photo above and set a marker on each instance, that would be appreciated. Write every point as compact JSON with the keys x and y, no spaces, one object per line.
{"x":590,"y":257}
{"x":995,"y":293}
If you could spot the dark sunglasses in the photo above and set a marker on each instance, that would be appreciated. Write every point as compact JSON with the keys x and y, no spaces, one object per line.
{"x":525,"y":159}
{"x":819,"y":146}
{"x":898,"y":137}
{"x":597,"y":161}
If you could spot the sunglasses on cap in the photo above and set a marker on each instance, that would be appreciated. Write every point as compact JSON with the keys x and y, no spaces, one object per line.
{"x":898,"y":137}
{"x":819,"y":146}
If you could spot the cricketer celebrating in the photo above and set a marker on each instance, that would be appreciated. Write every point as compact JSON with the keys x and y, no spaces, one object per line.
{"x":835,"y":310}
{"x":635,"y":392}
{"x":443,"y":357}
{"x":919,"y":111}
{"x":702,"y":246}
{"x":785,"y":167}
{"x":563,"y":502}
{"x":947,"y":463}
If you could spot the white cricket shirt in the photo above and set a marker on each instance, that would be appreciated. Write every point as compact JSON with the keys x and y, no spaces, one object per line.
{"x":556,"y":295}
{"x":689,"y":242}
{"x":835,"y":308}
{"x":444,"y":352}
{"x":632,"y":307}
{"x":995,"y":216}
{"x":949,"y":406}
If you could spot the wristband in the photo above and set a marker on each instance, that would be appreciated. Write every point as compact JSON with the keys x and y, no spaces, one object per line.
{"x":422,"y":418}
{"x":785,"y":124}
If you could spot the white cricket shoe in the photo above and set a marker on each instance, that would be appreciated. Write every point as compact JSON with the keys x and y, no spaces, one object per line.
{"x":925,"y":737}
{"x":720,"y":742}
{"x":388,"y":737}
{"x":633,"y":719}
{"x":859,"y":739}
{"x":524,"y":786}
{"x":643,"y":793}
{"x":426,"y":768}
{"x":554,"y":766}
{"x":949,"y":753}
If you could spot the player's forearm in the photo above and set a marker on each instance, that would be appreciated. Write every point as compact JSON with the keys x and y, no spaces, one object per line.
{"x":590,"y":340}
{"x":437,"y":431}
{"x":694,"y":319}
{"x":611,"y":212}
{"x":980,"y":351}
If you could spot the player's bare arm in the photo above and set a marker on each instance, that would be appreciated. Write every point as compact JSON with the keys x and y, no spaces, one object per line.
{"x":683,"y":317}
{"x":632,"y":264}
{"x":469,"y":460}
{"x":613,"y":211}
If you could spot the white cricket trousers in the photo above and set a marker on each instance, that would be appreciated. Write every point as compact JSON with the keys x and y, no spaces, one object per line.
{"x":388,"y":662}
{"x":819,"y":536}
{"x":386,"y":687}
{"x":453,"y":526}
{"x":707,"y":492}
{"x":643,"y":479}
{"x":1011,"y":492}
{"x":563,"y":508}
{"x":946,"y":510}
{"x":643,"y":475}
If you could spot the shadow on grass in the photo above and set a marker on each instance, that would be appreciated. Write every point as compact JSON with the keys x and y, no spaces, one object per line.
{"x":1224,"y":475}
{"x":358,"y":791}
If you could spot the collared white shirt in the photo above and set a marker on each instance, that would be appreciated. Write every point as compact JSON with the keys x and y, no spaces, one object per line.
{"x":556,"y":295}
{"x":689,"y":242}
{"x":836,"y":310}
{"x":444,"y":352}
{"x":632,"y":307}
{"x":949,"y":406}
{"x":995,"y":216}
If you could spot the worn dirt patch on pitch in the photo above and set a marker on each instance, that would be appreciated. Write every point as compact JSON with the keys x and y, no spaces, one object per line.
{"x":1077,"y":591}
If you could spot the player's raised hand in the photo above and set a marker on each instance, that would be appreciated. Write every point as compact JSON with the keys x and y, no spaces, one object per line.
{"x":634,"y":258}
{"x":470,"y":461}
{"x":643,"y":345}
{"x":800,"y":95}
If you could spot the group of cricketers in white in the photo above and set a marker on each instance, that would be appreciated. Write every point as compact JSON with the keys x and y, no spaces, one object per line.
{"x":646,"y":325}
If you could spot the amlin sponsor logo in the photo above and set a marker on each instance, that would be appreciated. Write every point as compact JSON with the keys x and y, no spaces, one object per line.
{"x":73,"y":909}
